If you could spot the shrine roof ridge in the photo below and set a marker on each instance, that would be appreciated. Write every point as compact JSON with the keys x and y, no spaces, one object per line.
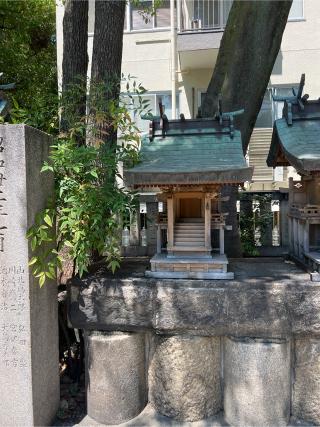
{"x":193,"y":158}
{"x":296,"y":136}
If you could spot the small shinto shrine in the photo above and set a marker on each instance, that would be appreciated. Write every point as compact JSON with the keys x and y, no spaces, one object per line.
{"x":296,"y":142}
{"x":188,"y":162}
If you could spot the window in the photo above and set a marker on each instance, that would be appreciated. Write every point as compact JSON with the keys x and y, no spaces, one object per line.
{"x":296,"y":11}
{"x":282,"y":91}
{"x":270,"y":110}
{"x":163,"y":14}
{"x":226,"y":9}
{"x":211,"y":13}
{"x":138,"y":19}
{"x":153,"y":105}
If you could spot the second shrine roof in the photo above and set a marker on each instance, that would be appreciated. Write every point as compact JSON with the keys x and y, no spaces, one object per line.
{"x":192,"y":152}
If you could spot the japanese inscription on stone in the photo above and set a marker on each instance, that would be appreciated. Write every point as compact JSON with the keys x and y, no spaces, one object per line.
{"x":13,"y":293}
{"x":27,"y":313}
{"x":3,"y":199}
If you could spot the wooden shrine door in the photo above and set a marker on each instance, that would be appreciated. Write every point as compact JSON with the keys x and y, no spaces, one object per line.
{"x":190,"y":208}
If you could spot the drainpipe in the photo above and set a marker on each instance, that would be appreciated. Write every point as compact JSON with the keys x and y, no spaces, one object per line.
{"x":178,"y":3}
{"x":173,"y":59}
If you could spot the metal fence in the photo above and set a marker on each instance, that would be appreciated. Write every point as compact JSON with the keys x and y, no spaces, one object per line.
{"x":197,"y":15}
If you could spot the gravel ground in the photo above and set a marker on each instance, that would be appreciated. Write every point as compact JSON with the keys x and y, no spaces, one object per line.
{"x":72,"y":402}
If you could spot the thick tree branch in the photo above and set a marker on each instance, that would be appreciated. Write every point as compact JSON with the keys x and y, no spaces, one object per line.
{"x":107,"y":53}
{"x":75,"y":56}
{"x":249,"y":48}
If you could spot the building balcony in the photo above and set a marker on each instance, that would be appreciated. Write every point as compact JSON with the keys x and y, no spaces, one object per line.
{"x":200,"y":28}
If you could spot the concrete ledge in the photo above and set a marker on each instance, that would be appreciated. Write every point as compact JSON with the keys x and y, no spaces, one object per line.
{"x":150,"y":417}
{"x":267,"y":298}
{"x":190,"y":275}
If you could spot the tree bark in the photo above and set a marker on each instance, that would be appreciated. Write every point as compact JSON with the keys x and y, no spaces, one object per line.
{"x":107,"y":56}
{"x":248,"y":50}
{"x":108,"y":42}
{"x":75,"y":54}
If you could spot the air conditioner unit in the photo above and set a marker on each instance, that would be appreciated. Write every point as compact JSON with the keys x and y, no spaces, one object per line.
{"x":196,"y":24}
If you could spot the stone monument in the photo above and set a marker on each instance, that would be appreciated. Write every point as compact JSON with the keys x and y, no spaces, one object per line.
{"x":29,"y":375}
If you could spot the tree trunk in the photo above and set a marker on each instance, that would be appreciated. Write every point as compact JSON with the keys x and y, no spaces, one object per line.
{"x":108,"y":39}
{"x":75,"y":56}
{"x":107,"y":53}
{"x":248,"y":50}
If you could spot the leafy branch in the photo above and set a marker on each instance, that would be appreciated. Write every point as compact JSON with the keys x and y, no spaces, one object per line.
{"x":90,"y":197}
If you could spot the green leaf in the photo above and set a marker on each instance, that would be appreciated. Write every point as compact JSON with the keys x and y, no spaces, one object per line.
{"x":29,"y":233}
{"x":46,"y":168}
{"x":113,"y":265}
{"x":42,"y":280}
{"x":32,"y":261}
{"x":50,"y":275}
{"x":34,"y":243}
{"x":48,"y":220}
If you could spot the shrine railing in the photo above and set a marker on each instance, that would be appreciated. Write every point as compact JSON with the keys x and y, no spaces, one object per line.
{"x":305,"y":211}
{"x":218,"y":219}
{"x":162,"y":218}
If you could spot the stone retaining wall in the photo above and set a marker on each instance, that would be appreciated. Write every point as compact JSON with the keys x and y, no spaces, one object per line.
{"x":256,"y":382}
{"x":202,"y":307}
{"x":250,"y":348}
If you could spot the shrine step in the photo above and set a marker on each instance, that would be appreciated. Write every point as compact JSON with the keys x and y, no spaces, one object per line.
{"x":188,"y":220}
{"x":189,"y":242}
{"x":190,"y":225}
{"x":185,"y":267}
{"x":189,"y":234}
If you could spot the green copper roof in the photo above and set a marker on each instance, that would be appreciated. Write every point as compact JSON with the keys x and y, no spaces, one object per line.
{"x":198,"y":158}
{"x":299,"y":143}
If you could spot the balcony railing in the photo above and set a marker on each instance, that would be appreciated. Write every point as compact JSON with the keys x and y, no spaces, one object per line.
{"x":202,"y":15}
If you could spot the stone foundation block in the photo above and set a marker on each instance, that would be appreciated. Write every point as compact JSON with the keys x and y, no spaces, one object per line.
{"x":257,"y":382}
{"x":115,"y":376}
{"x":306,"y":388}
{"x":184,"y":377}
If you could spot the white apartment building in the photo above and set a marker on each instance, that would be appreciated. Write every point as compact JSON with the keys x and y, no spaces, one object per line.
{"x":174,"y":53}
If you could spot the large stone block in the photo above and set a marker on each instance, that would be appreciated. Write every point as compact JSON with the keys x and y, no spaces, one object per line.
{"x":257,"y":382}
{"x":184,"y":377}
{"x":29,"y":370}
{"x":115,"y":376}
{"x":306,"y":388}
{"x":265,"y":306}
{"x":99,"y":303}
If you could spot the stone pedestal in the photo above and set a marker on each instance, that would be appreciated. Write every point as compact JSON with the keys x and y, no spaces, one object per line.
{"x":306,"y":387}
{"x":115,"y":376}
{"x":257,"y":382}
{"x":184,"y":377}
{"x":29,"y":357}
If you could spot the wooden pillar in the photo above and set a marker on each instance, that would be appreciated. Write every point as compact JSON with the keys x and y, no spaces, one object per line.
{"x":134,"y":229}
{"x":290,"y":234}
{"x":207,"y":221}
{"x":221,"y":239}
{"x":306,"y":237}
{"x":295,"y":236}
{"x":159,"y":239}
{"x":170,"y":211}
{"x":300,"y":238}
